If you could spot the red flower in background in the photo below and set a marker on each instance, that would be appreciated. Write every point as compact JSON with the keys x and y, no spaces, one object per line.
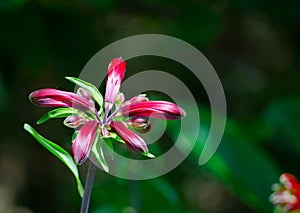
{"x":286,"y":195}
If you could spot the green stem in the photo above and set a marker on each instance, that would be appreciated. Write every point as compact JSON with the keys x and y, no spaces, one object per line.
{"x":88,"y":188}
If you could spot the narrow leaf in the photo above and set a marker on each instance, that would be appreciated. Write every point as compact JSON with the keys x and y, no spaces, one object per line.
{"x":90,"y":88}
{"x":57,"y":113}
{"x":98,"y":153}
{"x":59,"y":152}
{"x":74,"y":136}
{"x":109,"y":146}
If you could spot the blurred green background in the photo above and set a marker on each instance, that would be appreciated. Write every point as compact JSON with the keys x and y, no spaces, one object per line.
{"x":252,"y":44}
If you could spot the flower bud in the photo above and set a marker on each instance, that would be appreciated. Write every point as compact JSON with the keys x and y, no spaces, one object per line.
{"x":73,"y":121}
{"x":157,"y":109}
{"x":132,"y":140}
{"x":116,"y":71}
{"x":140,"y":124}
{"x":85,"y":94}
{"x":84,"y":140}
{"x":57,"y":98}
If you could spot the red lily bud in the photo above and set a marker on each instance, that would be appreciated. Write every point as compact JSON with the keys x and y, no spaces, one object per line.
{"x":286,"y":194}
{"x":85,"y":94}
{"x":73,"y":121}
{"x":132,"y":140}
{"x":116,"y":71}
{"x":84,"y":140}
{"x":53,"y":98}
{"x":157,"y":109}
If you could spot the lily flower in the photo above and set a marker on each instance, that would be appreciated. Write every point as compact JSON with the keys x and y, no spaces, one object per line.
{"x":286,"y":196}
{"x":127,"y":115}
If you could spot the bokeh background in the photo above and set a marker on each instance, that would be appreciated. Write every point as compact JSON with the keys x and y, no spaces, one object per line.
{"x":252,"y":44}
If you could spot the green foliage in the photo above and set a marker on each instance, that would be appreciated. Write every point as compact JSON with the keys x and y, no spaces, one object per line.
{"x":98,"y":153}
{"x":90,"y":88}
{"x":59,"y":152}
{"x":57,"y":113}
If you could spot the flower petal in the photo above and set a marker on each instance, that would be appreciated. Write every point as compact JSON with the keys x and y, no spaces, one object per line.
{"x":286,"y":194}
{"x":157,"y":109}
{"x":132,"y":140}
{"x":52,"y":98}
{"x":289,"y":181}
{"x":84,"y":140}
{"x":116,"y":71}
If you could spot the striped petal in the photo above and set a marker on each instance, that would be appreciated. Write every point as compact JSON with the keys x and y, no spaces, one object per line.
{"x":56,"y":98}
{"x":116,"y":71}
{"x":157,"y":109}
{"x":132,"y":140}
{"x":84,"y":140}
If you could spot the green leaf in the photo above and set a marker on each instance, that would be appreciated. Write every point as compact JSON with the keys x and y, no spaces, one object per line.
{"x":90,"y":88}
{"x":116,"y":137}
{"x":59,"y":152}
{"x":57,"y":113}
{"x":109,"y":146}
{"x":74,"y":136}
{"x":98,"y":153}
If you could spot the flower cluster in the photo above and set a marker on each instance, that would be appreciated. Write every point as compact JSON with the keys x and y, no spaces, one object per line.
{"x":286,"y":195}
{"x":115,"y":118}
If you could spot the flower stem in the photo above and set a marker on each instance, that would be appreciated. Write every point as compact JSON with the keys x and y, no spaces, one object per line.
{"x":88,"y":188}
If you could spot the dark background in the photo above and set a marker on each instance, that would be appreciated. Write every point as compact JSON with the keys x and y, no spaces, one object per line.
{"x":254,"y":48}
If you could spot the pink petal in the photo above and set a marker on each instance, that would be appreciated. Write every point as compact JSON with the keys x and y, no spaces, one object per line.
{"x":84,"y":140}
{"x":157,"y":109}
{"x":116,"y":71}
{"x":290,"y":181}
{"x":132,"y":140}
{"x":52,"y":97}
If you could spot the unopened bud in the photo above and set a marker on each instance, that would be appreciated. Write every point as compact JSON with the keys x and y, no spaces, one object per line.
{"x":85,"y":94}
{"x":140,"y":124}
{"x":73,"y":121}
